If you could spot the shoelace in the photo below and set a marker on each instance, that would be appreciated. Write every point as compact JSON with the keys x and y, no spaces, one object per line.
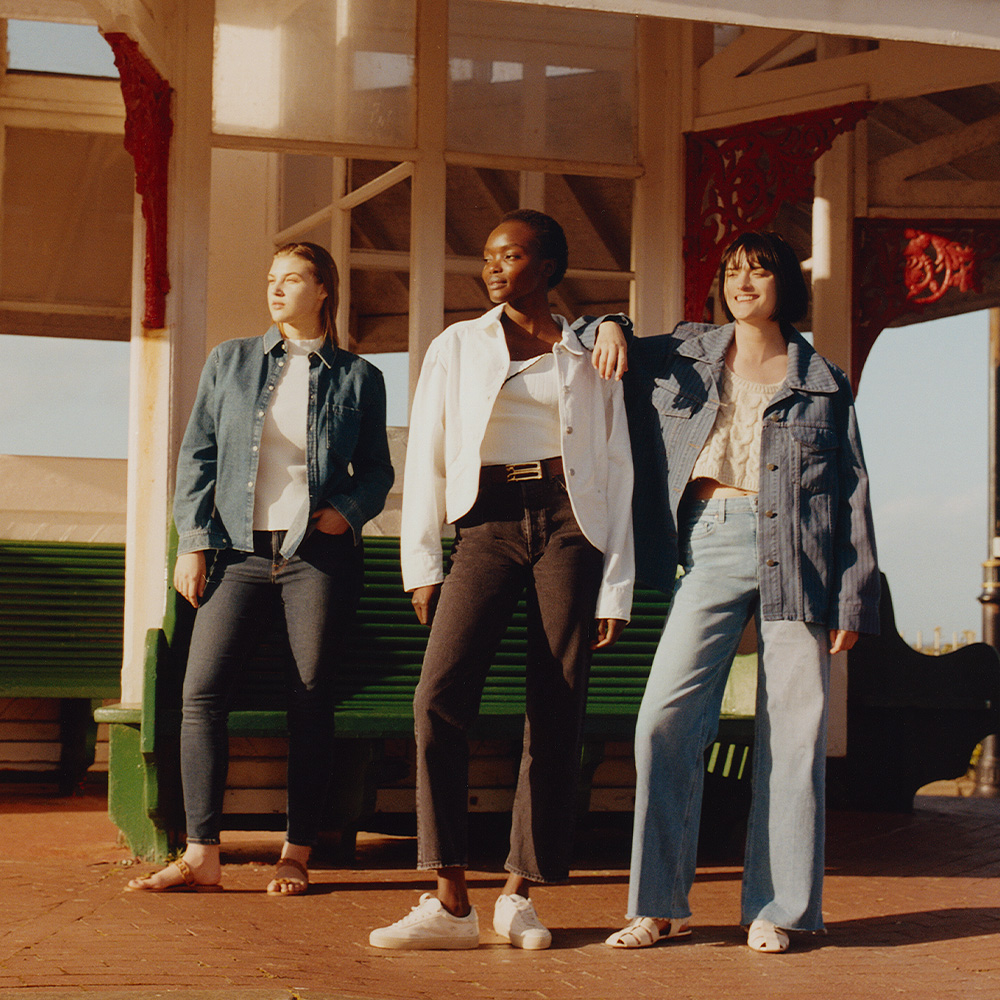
{"x":415,"y":911}
{"x":526,"y":911}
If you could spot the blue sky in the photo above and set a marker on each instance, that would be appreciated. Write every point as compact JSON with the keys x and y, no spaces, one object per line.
{"x":922,"y":408}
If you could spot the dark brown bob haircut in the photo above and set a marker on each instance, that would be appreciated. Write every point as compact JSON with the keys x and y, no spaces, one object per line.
{"x":550,"y":237}
{"x":770,"y":251}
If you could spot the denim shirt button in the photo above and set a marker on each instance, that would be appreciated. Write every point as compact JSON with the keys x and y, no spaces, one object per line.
{"x":771,"y":562}
{"x":770,"y":513}
{"x":771,"y":467}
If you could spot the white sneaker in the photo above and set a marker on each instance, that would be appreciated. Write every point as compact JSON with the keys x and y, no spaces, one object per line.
{"x":514,"y":918}
{"x":429,"y":925}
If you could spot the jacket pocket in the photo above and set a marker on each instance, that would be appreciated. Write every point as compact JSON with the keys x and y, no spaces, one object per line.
{"x":343,"y":426}
{"x":816,"y":457}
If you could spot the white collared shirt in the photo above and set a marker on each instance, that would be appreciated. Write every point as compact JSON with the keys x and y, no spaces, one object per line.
{"x":460,"y":378}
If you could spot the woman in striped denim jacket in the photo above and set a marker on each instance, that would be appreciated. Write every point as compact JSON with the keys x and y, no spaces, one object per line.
{"x":749,"y":475}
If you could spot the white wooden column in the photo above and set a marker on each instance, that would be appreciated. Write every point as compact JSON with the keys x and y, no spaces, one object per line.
{"x":165,"y":364}
{"x":340,"y":248}
{"x":832,"y":254}
{"x":832,"y":236}
{"x":657,"y":297}
{"x":427,"y":204}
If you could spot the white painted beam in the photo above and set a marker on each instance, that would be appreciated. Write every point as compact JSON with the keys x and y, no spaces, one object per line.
{"x":971,"y":23}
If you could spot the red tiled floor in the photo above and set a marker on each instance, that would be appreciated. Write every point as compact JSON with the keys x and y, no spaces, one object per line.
{"x":912,"y":907}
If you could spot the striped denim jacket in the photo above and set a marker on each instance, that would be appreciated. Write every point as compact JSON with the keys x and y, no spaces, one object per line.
{"x":816,"y":539}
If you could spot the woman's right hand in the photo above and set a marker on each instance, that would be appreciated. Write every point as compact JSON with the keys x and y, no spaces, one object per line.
{"x":189,"y":576}
{"x":424,"y":601}
{"x":610,"y":351}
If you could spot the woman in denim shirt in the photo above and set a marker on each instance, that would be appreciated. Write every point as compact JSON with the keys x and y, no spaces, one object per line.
{"x":284,"y":459}
{"x":750,"y":476}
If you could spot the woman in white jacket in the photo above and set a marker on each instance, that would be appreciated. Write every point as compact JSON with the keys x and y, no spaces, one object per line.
{"x":517,"y":441}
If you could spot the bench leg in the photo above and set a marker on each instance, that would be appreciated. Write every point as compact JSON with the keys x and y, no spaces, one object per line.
{"x":78,"y":741}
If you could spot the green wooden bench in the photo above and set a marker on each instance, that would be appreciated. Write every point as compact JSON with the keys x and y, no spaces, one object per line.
{"x":373,"y":704}
{"x":61,"y":614}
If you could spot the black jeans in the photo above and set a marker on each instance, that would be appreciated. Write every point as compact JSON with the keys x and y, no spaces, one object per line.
{"x":318,"y":590}
{"x":517,"y":536}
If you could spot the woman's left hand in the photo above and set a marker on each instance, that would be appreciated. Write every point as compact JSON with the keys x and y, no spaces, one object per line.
{"x":608,"y":632}
{"x":841,"y":640}
{"x":330,"y":521}
{"x":610,"y":351}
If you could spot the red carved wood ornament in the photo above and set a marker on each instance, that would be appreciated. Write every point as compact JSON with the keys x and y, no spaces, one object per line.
{"x":148,"y":128}
{"x":739,"y":177}
{"x":903,"y":266}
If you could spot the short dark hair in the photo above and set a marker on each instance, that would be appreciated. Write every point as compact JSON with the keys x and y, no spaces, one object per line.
{"x":551,"y":239}
{"x":770,"y":251}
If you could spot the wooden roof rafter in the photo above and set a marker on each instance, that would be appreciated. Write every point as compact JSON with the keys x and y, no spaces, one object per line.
{"x":615,"y":244}
{"x":935,"y":174}
{"x":749,"y":78}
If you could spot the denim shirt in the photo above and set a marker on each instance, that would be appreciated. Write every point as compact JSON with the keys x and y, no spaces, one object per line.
{"x":816,"y":540}
{"x":347,"y":452}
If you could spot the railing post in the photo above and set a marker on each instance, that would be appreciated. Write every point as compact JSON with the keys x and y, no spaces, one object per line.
{"x":988,"y":766}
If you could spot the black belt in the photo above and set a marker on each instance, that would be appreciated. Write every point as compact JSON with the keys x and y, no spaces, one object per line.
{"x":520,"y":472}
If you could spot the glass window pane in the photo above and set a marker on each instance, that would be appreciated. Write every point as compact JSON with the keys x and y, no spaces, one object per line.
{"x":64,"y":397}
{"x":541,"y":82}
{"x":327,"y":70}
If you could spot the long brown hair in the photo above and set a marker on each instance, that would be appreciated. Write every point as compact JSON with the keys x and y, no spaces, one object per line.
{"x":325,"y":271}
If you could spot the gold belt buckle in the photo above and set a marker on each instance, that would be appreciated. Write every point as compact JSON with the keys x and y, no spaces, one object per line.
{"x":522,"y":471}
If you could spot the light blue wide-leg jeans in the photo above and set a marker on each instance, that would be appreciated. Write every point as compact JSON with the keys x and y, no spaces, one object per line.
{"x":678,"y":719}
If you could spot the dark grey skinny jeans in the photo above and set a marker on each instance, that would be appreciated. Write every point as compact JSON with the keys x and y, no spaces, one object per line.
{"x":317,"y":590}
{"x":517,"y":536}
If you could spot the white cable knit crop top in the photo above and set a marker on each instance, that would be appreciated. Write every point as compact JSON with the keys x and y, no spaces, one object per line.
{"x":731,"y":455}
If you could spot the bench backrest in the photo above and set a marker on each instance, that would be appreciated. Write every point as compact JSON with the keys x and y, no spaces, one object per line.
{"x":61,"y":616}
{"x":382,"y":663}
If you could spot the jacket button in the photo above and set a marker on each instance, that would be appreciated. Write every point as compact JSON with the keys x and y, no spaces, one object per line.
{"x":771,"y":467}
{"x":569,"y":430}
{"x":771,"y":562}
{"x":770,"y":513}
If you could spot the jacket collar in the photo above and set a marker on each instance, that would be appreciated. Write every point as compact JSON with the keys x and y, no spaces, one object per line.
{"x":569,"y":340}
{"x":807,"y":370}
{"x":326,"y":352}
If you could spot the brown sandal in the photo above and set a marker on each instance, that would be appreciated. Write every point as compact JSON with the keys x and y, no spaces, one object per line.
{"x":190,"y":883}
{"x":295,"y":886}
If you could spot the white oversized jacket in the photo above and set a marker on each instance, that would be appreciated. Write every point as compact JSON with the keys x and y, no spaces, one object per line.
{"x":459,"y":381}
